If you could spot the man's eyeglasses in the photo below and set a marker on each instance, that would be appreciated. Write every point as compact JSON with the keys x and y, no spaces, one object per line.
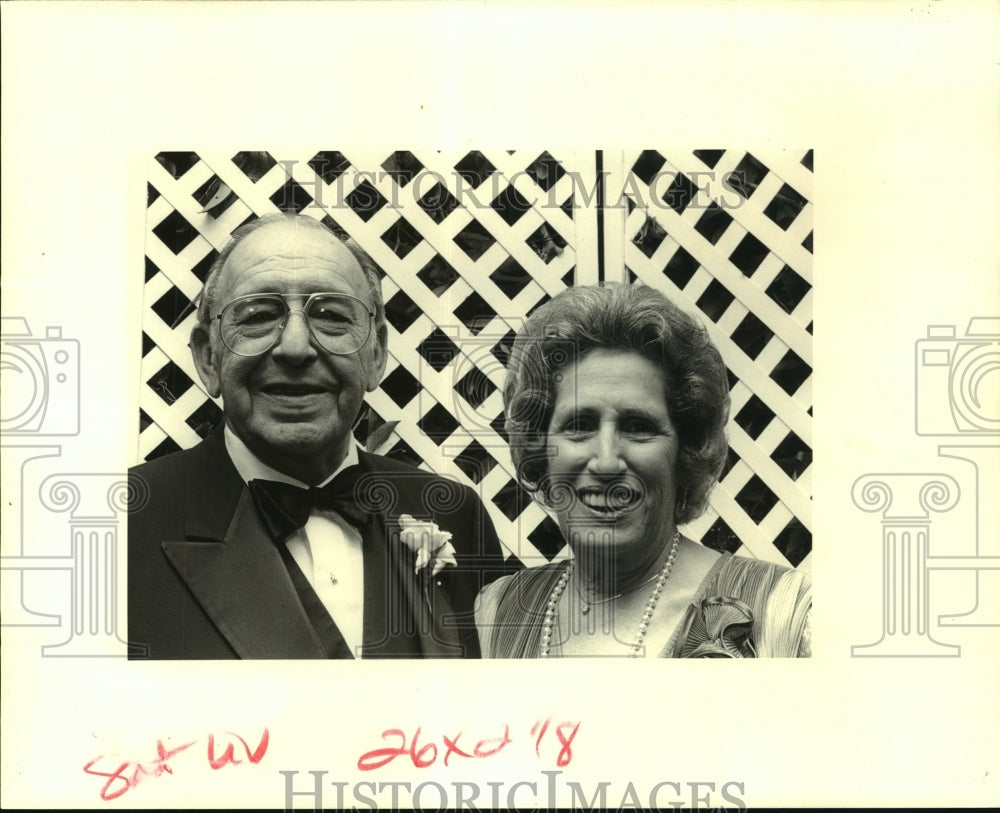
{"x":252,"y":324}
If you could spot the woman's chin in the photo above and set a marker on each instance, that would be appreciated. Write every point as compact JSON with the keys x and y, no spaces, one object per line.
{"x":628,"y":533}
{"x":609,"y":538}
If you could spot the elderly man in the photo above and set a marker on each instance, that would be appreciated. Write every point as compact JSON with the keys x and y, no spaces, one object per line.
{"x":276,"y":537}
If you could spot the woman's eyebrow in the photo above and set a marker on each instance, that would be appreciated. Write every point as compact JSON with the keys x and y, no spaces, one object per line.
{"x":639,"y":412}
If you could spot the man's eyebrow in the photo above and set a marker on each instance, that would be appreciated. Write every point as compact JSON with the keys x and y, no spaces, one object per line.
{"x":574,"y":409}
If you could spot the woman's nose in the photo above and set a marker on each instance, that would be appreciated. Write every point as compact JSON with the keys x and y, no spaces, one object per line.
{"x":295,"y":345}
{"x":606,"y":454}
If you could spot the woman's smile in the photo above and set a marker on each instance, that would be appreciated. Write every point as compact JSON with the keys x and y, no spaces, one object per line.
{"x":611,"y":500}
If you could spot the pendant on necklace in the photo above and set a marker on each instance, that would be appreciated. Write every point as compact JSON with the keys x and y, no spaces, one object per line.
{"x":584,"y":607}
{"x":333,"y":579}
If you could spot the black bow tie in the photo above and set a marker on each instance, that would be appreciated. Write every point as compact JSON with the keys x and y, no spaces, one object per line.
{"x":285,"y":508}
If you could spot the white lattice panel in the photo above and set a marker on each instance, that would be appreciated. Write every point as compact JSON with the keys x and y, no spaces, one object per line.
{"x":471,"y":243}
{"x":730,"y":239}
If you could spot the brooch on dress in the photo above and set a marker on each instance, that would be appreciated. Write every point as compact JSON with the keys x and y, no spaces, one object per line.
{"x":718,"y":627}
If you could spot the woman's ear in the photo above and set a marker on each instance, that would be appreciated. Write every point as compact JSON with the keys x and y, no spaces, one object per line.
{"x":680,"y":504}
{"x":206,"y":360}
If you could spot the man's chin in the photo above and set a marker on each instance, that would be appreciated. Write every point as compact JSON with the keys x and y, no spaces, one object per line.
{"x":300,"y":445}
{"x":295,"y":406}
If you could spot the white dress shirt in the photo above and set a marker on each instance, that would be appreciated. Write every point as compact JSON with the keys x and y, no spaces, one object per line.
{"x":327,"y":549}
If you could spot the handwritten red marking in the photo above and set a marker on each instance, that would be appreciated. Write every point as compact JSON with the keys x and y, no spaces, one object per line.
{"x":130,"y":773}
{"x":565,"y":753}
{"x":140,"y":771}
{"x":502,"y":742}
{"x":452,"y":746}
{"x":426,"y":755}
{"x":418,"y":756}
{"x":227,"y":757}
{"x":544,"y":727}
{"x":380,"y":757}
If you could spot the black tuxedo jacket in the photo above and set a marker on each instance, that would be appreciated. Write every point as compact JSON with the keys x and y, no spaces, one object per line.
{"x":205,"y":579}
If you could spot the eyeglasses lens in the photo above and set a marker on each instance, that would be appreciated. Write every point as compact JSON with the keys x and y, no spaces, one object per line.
{"x":339,"y":324}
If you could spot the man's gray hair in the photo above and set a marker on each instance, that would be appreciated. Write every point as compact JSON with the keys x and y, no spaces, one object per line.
{"x":208,"y":306}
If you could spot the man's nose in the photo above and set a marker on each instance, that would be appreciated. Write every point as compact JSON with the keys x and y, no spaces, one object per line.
{"x":606,"y":452}
{"x":295,"y":345}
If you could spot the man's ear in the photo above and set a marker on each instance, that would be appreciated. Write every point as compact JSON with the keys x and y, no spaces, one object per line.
{"x":379,"y":358}
{"x":206,"y":361}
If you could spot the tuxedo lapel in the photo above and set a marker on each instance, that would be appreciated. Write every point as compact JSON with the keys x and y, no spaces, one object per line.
{"x":443,"y":640}
{"x":244,"y":587}
{"x":400,"y":603}
{"x":213,"y":489}
{"x":389,"y":626}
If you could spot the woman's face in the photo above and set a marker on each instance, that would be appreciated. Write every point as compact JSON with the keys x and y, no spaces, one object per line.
{"x":613,"y":455}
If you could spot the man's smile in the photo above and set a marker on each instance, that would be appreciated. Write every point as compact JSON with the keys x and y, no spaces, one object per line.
{"x":293,"y":390}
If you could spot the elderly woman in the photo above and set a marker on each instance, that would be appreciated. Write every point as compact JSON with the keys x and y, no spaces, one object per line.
{"x":616,"y":404}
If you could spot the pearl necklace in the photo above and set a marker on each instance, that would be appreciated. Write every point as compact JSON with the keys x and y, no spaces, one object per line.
{"x":586,"y":604}
{"x":548,"y":621}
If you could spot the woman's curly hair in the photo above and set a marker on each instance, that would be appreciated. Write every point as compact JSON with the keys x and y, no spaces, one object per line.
{"x":626,"y":317}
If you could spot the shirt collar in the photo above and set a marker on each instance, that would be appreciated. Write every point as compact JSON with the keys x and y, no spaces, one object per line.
{"x":251,"y":467}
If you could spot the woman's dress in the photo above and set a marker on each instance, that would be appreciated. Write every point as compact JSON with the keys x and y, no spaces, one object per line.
{"x":742,"y":608}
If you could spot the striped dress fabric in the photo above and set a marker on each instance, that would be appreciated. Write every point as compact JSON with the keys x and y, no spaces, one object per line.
{"x":777,"y":602}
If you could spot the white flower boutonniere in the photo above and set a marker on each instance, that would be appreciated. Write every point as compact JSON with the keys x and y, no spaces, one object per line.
{"x":431,"y":545}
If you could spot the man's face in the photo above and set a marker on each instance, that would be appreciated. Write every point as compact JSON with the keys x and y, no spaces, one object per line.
{"x":292,"y":406}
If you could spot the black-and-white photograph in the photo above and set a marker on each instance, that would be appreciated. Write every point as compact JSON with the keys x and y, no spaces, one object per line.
{"x":566,"y":398}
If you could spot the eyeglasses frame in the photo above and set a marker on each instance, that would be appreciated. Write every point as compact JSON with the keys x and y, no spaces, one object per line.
{"x":288,"y":313}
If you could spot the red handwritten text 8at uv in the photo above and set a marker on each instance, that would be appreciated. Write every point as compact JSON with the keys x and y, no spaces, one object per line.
{"x":123,"y":775}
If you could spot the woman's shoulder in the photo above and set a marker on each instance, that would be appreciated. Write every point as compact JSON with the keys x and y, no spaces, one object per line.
{"x":756,"y":575}
{"x":522,"y":582}
{"x":510,"y":608}
{"x":779,"y":599}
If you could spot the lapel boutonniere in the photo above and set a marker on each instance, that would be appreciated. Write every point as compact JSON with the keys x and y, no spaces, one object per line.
{"x":718,"y":627}
{"x":431,"y":545}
